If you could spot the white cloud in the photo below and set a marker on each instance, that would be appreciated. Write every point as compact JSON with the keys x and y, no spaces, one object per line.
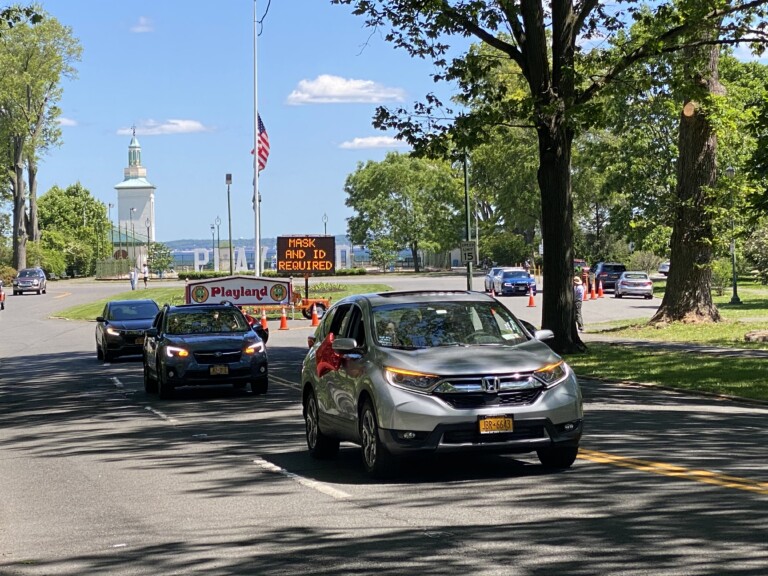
{"x":328,"y":89}
{"x":143,"y":25}
{"x":373,"y":142}
{"x":67,"y":122}
{"x":171,"y":126}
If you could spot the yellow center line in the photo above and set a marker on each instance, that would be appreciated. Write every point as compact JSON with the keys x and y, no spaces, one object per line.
{"x":63,"y":295}
{"x":704,"y":476}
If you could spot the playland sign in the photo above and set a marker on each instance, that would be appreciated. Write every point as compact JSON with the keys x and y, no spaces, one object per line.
{"x":240,"y":290}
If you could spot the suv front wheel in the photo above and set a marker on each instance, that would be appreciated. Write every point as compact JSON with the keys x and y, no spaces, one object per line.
{"x":377,"y":460}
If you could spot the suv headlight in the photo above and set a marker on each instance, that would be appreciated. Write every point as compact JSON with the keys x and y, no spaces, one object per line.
{"x":552,"y":374}
{"x":113,"y":332}
{"x":255,"y":348}
{"x":176,"y":352}
{"x":410,"y":380}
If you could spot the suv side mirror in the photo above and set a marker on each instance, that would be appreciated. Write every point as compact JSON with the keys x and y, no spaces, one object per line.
{"x":344,"y":345}
{"x":151,"y":332}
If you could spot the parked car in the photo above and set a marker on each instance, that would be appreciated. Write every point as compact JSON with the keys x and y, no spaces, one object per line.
{"x":491,"y":276}
{"x":633,"y":283}
{"x":409,"y":373}
{"x":30,"y":280}
{"x":512,"y":281}
{"x":580,"y":264}
{"x":664,"y":268}
{"x":121,"y":327}
{"x":607,"y":273}
{"x":203,"y":344}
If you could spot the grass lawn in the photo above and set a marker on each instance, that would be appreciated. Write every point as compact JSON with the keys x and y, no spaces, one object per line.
{"x":176,"y":296}
{"x":738,"y":319}
{"x":743,"y":377}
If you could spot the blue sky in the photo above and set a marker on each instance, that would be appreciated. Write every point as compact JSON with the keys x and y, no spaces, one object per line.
{"x":182,"y":73}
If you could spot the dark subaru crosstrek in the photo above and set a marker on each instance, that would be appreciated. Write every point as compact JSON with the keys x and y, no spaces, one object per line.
{"x":203,"y":344}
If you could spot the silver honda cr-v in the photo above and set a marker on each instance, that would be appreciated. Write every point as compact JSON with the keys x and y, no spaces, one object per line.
{"x":412,"y":372}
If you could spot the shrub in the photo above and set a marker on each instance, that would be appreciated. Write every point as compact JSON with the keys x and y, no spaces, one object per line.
{"x":7,"y":274}
{"x":722,"y":275}
{"x":647,"y":261}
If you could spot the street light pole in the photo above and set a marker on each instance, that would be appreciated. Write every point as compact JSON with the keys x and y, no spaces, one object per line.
{"x":213,"y":247}
{"x":730,"y":172}
{"x":147,"y":223}
{"x":111,"y":232}
{"x":218,"y":236}
{"x":228,"y":180}
{"x":133,"y":236}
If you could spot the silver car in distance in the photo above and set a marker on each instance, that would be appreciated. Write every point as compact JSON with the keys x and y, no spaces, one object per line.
{"x":408,"y":373}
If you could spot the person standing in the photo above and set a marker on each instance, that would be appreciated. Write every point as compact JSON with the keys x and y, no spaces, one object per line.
{"x":145,"y":273}
{"x":578,"y":297}
{"x":132,"y":277}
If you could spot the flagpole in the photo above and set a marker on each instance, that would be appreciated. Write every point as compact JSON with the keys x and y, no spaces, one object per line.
{"x":256,"y":203}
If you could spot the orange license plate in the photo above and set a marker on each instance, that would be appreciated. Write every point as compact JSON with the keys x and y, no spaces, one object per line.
{"x":219,"y":370}
{"x":495,"y":424}
{"x":140,"y":340}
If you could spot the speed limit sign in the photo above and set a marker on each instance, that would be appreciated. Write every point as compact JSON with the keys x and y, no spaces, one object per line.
{"x":467,"y":251}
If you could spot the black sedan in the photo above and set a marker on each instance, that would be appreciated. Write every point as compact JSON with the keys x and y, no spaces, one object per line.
{"x":204,"y":344}
{"x":121,"y":328}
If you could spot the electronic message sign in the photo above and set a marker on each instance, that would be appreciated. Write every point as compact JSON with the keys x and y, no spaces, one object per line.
{"x":306,"y":254}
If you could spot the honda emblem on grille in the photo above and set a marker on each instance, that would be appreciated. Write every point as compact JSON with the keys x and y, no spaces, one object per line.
{"x":491,"y":384}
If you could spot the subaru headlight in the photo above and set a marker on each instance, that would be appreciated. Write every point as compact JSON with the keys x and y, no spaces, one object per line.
{"x":552,"y":374}
{"x":176,"y":352}
{"x":255,"y":348}
{"x":411,"y":380}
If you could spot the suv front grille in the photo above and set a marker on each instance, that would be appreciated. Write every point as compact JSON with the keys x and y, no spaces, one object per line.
{"x":218,"y":357}
{"x":481,"y":391}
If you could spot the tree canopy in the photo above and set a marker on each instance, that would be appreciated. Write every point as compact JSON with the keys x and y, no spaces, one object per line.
{"x":568,"y":53}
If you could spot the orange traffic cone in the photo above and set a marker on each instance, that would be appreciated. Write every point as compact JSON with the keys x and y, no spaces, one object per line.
{"x":264,"y":319}
{"x":586,"y":292}
{"x":493,"y":292}
{"x":315,"y":319}
{"x":531,"y":301}
{"x":592,"y":294}
{"x":600,"y":289}
{"x":283,"y":321}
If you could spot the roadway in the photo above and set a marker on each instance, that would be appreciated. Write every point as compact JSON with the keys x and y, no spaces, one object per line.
{"x":98,"y":477}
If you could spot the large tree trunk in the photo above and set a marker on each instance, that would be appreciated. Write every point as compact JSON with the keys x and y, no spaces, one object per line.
{"x":688,"y":295}
{"x":554,"y":177}
{"x":415,"y":255}
{"x":19,"y":204}
{"x":33,"y":226}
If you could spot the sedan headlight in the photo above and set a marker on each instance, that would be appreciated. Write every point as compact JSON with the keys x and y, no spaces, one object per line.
{"x":255,"y":348}
{"x":552,"y":374}
{"x":410,"y":380}
{"x":176,"y":352}
{"x":112,"y":332}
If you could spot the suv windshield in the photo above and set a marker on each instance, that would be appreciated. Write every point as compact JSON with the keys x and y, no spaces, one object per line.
{"x":133,"y":311}
{"x":430,"y":324}
{"x":206,"y":321}
{"x":29,"y":273}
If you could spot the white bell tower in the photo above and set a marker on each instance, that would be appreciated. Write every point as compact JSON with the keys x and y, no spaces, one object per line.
{"x":135,"y":208}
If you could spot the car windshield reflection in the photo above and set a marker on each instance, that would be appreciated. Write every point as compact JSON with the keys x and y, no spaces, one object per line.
{"x":428,"y":325}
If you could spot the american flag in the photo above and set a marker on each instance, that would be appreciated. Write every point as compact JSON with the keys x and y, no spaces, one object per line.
{"x":263,"y":145}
